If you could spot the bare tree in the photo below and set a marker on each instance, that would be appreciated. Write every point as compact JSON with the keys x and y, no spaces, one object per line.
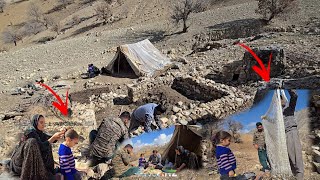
{"x":272,"y":8}
{"x":65,"y":3}
{"x":35,"y":13}
{"x":56,"y":27}
{"x":2,"y":5}
{"x":234,"y":127}
{"x":47,"y":21}
{"x":104,"y":12}
{"x":182,"y":11}
{"x":75,"y":20}
{"x":32,"y":28}
{"x":12,"y":35}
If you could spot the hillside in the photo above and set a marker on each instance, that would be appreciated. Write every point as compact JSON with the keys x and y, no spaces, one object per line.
{"x":198,"y":88}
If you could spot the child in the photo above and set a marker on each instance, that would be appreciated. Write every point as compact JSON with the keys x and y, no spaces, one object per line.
{"x":225,"y":158}
{"x":142,"y":161}
{"x":66,"y":158}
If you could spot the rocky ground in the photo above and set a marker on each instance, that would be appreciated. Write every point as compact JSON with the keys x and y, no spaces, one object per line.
{"x":198,"y":88}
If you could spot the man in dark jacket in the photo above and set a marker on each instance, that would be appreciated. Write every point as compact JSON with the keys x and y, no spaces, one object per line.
{"x":292,"y":134}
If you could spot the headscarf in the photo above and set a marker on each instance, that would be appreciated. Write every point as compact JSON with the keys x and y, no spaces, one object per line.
{"x":35,"y":121}
{"x":180,"y":149}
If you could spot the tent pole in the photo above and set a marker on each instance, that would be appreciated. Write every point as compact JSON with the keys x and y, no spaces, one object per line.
{"x":119,"y":63}
{"x":175,"y":160}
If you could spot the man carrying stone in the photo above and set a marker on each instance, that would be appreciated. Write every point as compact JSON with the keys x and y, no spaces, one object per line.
{"x":146,"y":115}
{"x":292,"y":134}
{"x":105,"y":140}
{"x":260,"y":144}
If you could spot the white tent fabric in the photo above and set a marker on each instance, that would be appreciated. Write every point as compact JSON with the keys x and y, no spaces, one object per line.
{"x":275,"y":137}
{"x":143,"y":57}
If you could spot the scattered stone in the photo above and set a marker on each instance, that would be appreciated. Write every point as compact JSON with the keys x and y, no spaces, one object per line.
{"x":164,"y":120}
{"x":175,"y":109}
{"x":183,"y":122}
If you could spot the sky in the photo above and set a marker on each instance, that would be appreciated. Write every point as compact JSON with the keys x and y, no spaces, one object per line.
{"x":252,"y":116}
{"x":153,"y":138}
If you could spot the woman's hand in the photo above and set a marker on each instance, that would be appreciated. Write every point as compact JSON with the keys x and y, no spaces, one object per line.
{"x":56,"y":136}
{"x":231,"y":173}
{"x":65,"y":129}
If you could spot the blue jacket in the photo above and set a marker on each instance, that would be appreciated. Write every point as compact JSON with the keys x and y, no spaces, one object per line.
{"x":225,"y":159}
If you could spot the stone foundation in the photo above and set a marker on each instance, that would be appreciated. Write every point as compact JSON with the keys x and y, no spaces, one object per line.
{"x":198,"y":91}
{"x":207,"y":99}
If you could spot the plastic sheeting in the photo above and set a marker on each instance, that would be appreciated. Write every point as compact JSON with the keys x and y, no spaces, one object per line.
{"x":275,"y":137}
{"x":143,"y":57}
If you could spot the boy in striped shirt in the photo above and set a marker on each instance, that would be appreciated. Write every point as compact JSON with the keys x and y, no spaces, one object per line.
{"x":225,"y":158}
{"x":66,"y":158}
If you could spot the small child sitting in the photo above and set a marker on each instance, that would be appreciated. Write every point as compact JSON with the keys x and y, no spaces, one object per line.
{"x":142,"y":161}
{"x":66,"y":158}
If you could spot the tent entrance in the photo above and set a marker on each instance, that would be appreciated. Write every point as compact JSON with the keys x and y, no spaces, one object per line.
{"x":181,"y":137}
{"x":121,"y":67}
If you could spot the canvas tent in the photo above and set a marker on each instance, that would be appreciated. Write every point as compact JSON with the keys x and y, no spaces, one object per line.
{"x":139,"y":59}
{"x":190,"y":137}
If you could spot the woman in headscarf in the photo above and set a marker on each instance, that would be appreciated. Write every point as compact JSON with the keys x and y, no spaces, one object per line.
{"x":185,"y":159}
{"x":32,"y":158}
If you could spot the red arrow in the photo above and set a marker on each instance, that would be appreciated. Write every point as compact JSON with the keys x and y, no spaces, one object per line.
{"x":63,"y":107}
{"x":263,"y":72}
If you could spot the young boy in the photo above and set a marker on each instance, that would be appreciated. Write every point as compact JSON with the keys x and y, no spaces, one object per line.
{"x":66,"y":158}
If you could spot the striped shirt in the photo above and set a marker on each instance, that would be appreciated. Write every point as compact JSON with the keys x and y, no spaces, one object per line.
{"x":67,"y":162}
{"x":225,"y":159}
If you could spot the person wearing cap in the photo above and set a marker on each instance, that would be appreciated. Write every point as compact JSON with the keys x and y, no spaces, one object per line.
{"x":146,"y":115}
{"x":260,"y":144}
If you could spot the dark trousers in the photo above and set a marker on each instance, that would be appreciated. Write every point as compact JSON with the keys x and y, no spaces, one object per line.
{"x":96,"y":160}
{"x":263,"y":158}
{"x":92,"y":136}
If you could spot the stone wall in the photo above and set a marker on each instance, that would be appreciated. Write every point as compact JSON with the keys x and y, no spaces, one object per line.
{"x":226,"y":100}
{"x":196,"y":90}
{"x":233,"y":32}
